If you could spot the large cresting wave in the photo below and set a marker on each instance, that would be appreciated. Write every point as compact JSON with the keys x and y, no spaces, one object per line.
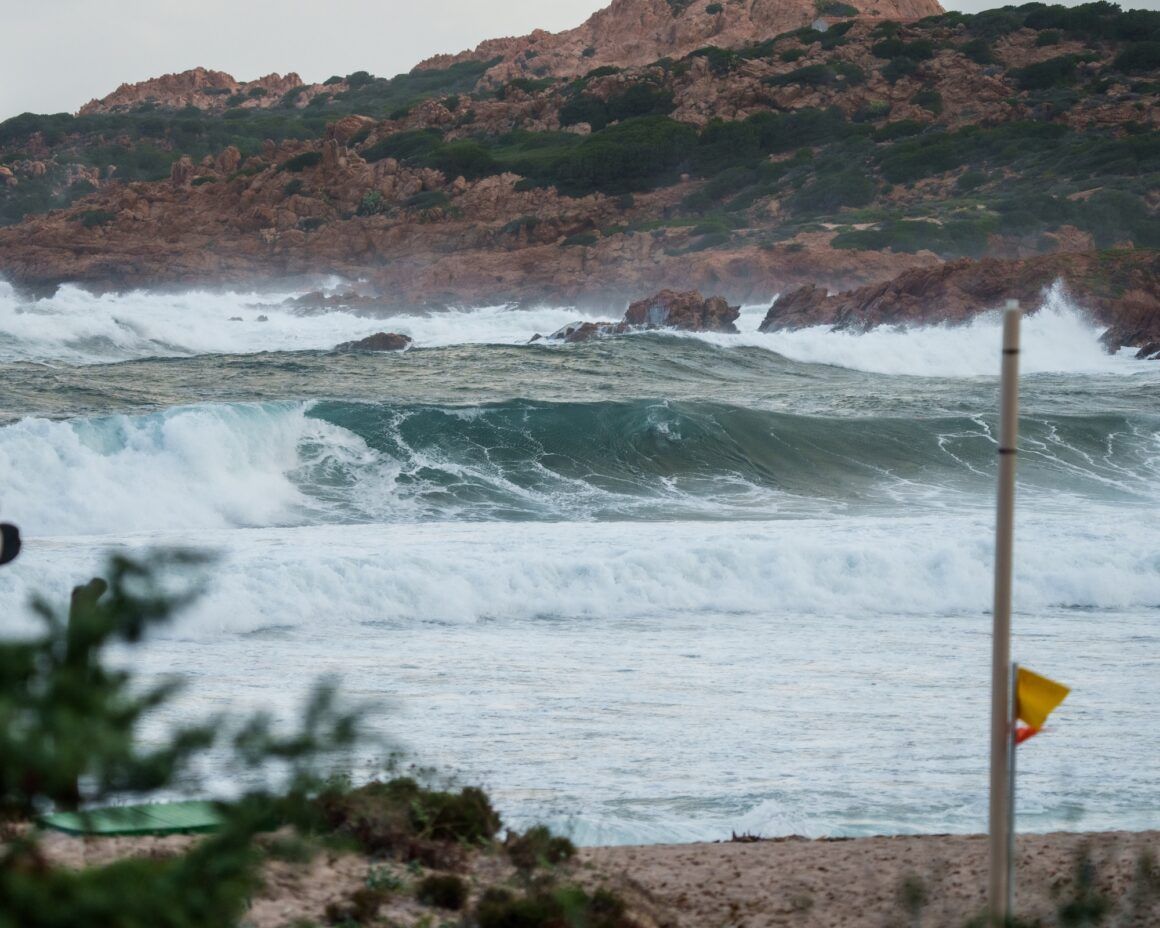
{"x":295,"y":463}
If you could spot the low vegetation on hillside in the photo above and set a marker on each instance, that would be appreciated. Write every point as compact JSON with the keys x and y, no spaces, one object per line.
{"x":856,"y":129}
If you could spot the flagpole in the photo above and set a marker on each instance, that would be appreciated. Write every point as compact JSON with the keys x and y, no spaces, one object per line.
{"x":1012,"y":762}
{"x":999,"y":890}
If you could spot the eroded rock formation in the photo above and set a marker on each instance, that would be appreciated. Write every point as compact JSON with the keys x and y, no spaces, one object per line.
{"x":635,"y":32}
{"x":1120,"y":289}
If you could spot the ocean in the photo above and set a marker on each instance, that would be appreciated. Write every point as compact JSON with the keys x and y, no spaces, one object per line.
{"x":660,"y":587}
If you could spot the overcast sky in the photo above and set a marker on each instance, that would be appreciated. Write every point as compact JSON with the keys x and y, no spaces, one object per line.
{"x":56,"y":55}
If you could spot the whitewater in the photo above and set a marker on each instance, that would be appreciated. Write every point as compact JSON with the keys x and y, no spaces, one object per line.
{"x":657,"y":587}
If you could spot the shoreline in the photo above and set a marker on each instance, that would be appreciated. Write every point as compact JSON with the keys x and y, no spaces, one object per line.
{"x":787,"y":881}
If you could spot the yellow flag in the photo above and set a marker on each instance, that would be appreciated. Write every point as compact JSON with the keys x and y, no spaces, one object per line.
{"x":1036,"y":697}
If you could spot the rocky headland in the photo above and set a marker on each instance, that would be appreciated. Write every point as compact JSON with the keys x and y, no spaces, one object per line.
{"x":741,"y":149}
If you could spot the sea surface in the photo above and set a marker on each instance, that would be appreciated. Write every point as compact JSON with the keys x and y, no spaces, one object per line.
{"x":652,"y":588}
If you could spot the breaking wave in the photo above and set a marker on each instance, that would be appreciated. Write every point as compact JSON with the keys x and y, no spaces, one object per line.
{"x":294,"y":463}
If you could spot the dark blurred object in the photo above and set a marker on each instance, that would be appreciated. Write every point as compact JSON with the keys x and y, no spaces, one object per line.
{"x":9,"y":542}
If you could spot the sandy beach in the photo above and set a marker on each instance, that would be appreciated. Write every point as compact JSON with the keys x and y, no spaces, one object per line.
{"x":935,"y":880}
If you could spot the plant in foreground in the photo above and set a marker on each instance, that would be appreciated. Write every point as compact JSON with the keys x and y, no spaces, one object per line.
{"x":69,"y":736}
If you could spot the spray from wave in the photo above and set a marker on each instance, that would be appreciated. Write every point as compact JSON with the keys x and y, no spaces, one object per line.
{"x":76,"y":326}
{"x":1059,"y":338}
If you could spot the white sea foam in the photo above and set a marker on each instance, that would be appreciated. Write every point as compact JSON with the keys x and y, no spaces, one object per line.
{"x":77,"y":326}
{"x":866,"y":565}
{"x":81,"y":327}
{"x":1059,"y":338}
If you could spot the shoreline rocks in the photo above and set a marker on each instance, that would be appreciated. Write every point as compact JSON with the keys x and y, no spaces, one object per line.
{"x":1120,"y":289}
{"x":380,"y":341}
{"x":686,"y":311}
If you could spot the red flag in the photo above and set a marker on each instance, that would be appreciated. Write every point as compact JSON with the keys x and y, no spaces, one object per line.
{"x":1023,"y":732}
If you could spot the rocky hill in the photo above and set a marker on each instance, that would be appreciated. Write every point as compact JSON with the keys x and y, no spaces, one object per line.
{"x":840,"y":158}
{"x":199,"y":88}
{"x":630,"y":33}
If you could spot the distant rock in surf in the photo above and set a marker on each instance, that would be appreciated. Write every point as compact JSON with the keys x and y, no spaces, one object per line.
{"x":1119,"y":289}
{"x":685,"y":310}
{"x":380,"y":341}
{"x":582,"y":331}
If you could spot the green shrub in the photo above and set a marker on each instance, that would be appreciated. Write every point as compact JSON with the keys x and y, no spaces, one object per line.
{"x":873,"y":111}
{"x":300,"y":162}
{"x":359,"y":79}
{"x":792,"y":54}
{"x":463,"y":158}
{"x":361,"y":908}
{"x":311,"y":223}
{"x":412,"y":146}
{"x":634,"y":155}
{"x":993,"y":24}
{"x":549,"y":907}
{"x":835,"y":8}
{"x":918,"y":50}
{"x":1138,"y":57}
{"x":812,"y":75}
{"x":979,"y":51}
{"x":721,"y":60}
{"x":524,"y":85}
{"x":640,"y":99}
{"x":1049,"y":37}
{"x":444,"y":891}
{"x":929,"y":99}
{"x":404,"y":819}
{"x":970,"y":180}
{"x":829,"y":193}
{"x":1054,"y":72}
{"x":589,"y":52}
{"x":372,"y":204}
{"x":952,"y":239}
{"x":202,"y":181}
{"x":904,"y":128}
{"x":427,"y":199}
{"x":714,"y":8}
{"x":899,"y":68}
{"x":538,"y":847}
{"x":524,"y":224}
{"x":581,"y":238}
{"x":91,"y":218}
{"x":293,"y":187}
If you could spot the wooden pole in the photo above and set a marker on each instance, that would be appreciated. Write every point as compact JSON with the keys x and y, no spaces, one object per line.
{"x":999,"y":890}
{"x":1012,"y":760}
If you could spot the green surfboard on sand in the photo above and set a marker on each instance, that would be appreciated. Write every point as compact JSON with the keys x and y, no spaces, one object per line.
{"x":171,"y":818}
